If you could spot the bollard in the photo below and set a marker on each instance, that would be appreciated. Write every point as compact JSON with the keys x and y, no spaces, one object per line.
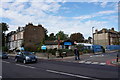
{"x":117,"y":58}
{"x":48,"y":56}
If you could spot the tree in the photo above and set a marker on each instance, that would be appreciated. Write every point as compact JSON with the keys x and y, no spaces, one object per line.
{"x":78,"y":37}
{"x":51,"y":36}
{"x":4,"y":28}
{"x":46,"y":36}
{"x":61,"y":35}
{"x":90,"y":39}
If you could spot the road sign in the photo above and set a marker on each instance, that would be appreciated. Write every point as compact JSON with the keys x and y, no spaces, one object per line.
{"x":43,"y":47}
{"x":67,"y":43}
{"x":22,"y":48}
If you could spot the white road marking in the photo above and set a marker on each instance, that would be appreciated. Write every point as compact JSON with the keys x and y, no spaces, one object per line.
{"x":0,"y":77}
{"x":102,"y":63}
{"x":25,"y":66}
{"x":5,"y":61}
{"x":95,"y":63}
{"x":68,"y":74}
{"x":81,"y":61}
{"x":97,"y":55}
{"x":88,"y":62}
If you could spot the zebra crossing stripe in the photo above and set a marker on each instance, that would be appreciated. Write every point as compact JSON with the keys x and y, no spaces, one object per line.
{"x":81,"y":61}
{"x":88,"y":62}
{"x":95,"y":63}
{"x":102,"y":63}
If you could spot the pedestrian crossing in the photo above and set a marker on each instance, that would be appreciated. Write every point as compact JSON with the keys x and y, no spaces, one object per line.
{"x":87,"y":62}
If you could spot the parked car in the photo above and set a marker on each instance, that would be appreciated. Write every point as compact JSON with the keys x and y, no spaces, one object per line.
{"x":25,"y":57}
{"x":4,"y":55}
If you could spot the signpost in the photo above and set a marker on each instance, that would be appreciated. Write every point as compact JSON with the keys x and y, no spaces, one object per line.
{"x":43,"y":47}
{"x":67,"y":43}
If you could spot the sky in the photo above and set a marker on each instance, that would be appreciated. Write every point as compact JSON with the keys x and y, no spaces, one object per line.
{"x":68,"y":16}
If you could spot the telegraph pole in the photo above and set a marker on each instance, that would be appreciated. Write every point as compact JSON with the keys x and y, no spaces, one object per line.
{"x":93,"y":34}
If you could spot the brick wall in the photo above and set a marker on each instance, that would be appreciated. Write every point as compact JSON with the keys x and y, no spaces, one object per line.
{"x":33,"y":35}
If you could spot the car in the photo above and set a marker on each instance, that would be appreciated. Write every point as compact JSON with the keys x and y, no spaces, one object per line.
{"x":4,"y":55}
{"x":25,"y":57}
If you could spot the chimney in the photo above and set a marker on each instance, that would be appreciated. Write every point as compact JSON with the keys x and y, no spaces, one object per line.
{"x":96,"y":30}
{"x":39,"y":25}
{"x":30,"y":24}
{"x":103,"y":30}
{"x":112,"y":29}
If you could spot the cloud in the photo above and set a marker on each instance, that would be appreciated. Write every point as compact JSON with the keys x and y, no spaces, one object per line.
{"x":107,"y":12}
{"x":100,"y":13}
{"x":61,"y":0}
{"x":103,"y":4}
{"x":38,"y":13}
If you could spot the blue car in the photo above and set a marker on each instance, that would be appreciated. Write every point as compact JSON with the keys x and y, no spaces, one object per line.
{"x":25,"y":57}
{"x":4,"y":55}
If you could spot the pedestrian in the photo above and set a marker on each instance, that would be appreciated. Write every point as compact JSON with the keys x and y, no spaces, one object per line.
{"x":76,"y":53}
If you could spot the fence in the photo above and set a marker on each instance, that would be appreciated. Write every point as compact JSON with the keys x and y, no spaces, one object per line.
{"x":113,"y":47}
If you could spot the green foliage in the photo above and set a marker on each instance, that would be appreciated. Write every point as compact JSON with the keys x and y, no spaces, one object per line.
{"x":78,"y":37}
{"x":4,"y":27}
{"x":68,"y":51}
{"x":51,"y":36}
{"x":116,"y":43}
{"x":4,"y":49}
{"x":40,"y":45}
{"x":80,"y":47}
{"x":52,"y":51}
{"x":61,"y":35}
{"x":87,"y":51}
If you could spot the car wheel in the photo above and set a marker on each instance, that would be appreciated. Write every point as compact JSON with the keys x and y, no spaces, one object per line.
{"x":24,"y":61}
{"x":35,"y":61}
{"x":16,"y":60}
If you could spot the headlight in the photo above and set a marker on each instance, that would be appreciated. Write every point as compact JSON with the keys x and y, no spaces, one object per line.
{"x":27,"y":57}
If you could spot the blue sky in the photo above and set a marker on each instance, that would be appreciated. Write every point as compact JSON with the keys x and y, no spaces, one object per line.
{"x":70,"y":17}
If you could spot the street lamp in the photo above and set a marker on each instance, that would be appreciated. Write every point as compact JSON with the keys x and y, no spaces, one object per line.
{"x":93,"y":35}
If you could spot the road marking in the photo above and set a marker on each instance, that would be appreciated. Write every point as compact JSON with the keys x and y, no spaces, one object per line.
{"x":81,"y":61}
{"x":95,"y":63}
{"x":0,"y":77}
{"x":97,"y":55}
{"x":5,"y":61}
{"x":88,"y":62}
{"x":102,"y":63}
{"x":25,"y":66}
{"x":68,"y":74}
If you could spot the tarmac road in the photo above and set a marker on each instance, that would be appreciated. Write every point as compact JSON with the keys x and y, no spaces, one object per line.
{"x":57,"y":69}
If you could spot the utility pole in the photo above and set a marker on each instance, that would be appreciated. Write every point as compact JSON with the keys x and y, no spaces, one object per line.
{"x":93,"y":35}
{"x":58,"y":42}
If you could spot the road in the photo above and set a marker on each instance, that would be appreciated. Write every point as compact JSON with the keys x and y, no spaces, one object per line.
{"x":100,"y":59}
{"x":57,"y":69}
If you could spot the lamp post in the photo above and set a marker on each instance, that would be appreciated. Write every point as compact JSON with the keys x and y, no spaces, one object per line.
{"x":93,"y":35}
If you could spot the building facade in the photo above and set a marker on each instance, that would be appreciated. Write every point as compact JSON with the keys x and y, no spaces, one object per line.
{"x":106,"y":37}
{"x":27,"y":36}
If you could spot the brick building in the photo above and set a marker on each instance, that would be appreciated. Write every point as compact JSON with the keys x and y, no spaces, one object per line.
{"x":106,"y":37}
{"x":28,"y":36}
